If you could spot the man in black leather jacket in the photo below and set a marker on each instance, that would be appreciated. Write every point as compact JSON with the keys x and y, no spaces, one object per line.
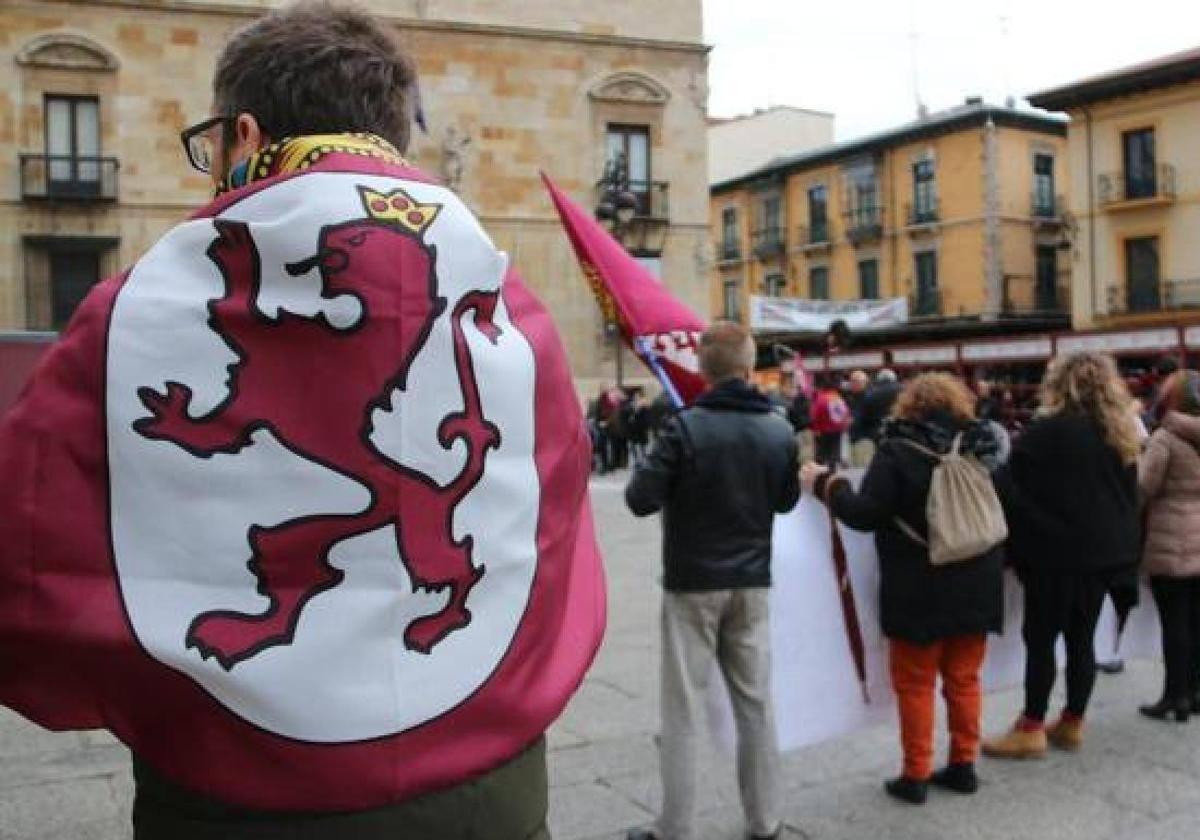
{"x":719,"y":473}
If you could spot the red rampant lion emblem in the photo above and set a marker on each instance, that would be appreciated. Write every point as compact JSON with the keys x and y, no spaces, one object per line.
{"x":325,"y":416}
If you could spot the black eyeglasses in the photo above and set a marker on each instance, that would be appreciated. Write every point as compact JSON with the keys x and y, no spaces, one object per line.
{"x":198,"y":143}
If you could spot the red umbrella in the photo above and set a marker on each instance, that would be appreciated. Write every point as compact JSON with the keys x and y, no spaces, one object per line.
{"x":849,"y":608}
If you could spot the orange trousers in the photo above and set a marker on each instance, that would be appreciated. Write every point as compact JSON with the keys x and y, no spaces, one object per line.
{"x":915,"y":669}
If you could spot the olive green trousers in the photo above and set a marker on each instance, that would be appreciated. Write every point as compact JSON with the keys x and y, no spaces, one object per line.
{"x":508,"y":803}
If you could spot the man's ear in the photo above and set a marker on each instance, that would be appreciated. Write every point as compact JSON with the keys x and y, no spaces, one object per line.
{"x":249,"y":134}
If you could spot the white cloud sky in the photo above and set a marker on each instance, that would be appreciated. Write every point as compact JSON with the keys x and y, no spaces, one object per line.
{"x":854,"y":57}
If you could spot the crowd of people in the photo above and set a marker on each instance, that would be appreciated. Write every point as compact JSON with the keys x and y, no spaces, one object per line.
{"x":1094,"y":489}
{"x":841,"y":419}
{"x":621,"y":424}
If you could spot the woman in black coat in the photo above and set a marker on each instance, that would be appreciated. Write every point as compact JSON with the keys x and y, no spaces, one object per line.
{"x":1070,"y":494}
{"x":936,"y":618}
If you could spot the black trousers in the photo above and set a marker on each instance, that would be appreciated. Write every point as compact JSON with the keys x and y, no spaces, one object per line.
{"x":829,"y":448}
{"x":1058,"y":604}
{"x":618,"y":452}
{"x":1178,"y":602}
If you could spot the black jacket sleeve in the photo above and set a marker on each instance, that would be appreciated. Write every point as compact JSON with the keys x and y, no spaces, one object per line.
{"x":875,"y":504}
{"x":791,"y":488}
{"x":653,"y":480}
{"x":1033,"y":452}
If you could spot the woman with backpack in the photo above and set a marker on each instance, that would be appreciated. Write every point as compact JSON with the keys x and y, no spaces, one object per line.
{"x":1169,"y":481}
{"x":941,"y":589}
{"x":1070,"y":492}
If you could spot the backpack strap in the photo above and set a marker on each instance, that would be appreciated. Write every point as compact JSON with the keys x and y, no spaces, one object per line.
{"x":924,"y":450}
{"x":910,"y":532}
{"x":1195,"y":446}
{"x":955,"y":448}
{"x":906,"y":529}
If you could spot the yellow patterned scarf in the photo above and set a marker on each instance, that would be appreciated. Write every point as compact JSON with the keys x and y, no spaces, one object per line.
{"x":293,"y":154}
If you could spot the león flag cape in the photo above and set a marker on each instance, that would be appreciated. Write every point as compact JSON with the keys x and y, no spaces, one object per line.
{"x":297,"y":507}
{"x":652,"y":322}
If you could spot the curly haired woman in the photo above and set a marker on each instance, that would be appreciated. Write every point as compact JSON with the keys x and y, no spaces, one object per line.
{"x":936,"y":618}
{"x":1071,"y":497}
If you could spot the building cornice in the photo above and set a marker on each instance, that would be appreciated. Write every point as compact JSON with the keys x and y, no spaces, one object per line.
{"x":217,"y":8}
{"x":1144,"y":78}
{"x":935,"y":126}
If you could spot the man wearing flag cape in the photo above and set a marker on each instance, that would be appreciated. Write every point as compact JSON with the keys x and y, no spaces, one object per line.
{"x":330,"y":567}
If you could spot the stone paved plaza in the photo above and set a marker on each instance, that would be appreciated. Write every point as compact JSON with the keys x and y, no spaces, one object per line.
{"x":1134,"y":780}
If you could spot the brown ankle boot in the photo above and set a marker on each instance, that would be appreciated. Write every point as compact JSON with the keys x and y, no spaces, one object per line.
{"x":1024,"y":740}
{"x":1067,"y":734}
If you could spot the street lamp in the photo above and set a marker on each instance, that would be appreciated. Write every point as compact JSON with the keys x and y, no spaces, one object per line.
{"x":613,"y":333}
{"x":618,"y":204}
{"x":616,"y":208}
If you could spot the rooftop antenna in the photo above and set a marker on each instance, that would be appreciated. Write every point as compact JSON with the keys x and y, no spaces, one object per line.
{"x":922,"y":110}
{"x":772,"y":64}
{"x":1005,"y":45}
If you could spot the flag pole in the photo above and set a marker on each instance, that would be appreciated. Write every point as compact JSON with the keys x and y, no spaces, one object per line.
{"x":651,"y":359}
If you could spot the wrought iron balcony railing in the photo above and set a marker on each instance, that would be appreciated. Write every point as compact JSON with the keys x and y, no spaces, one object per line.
{"x":1163,"y":296}
{"x":1047,"y":208}
{"x":864,"y":224}
{"x":1182,"y":294}
{"x":814,"y":234}
{"x":769,"y":242}
{"x":1026,"y":296}
{"x":653,"y":198}
{"x":927,"y":304}
{"x":923,"y":213}
{"x":68,"y":178}
{"x":729,"y":250}
{"x":1121,"y":187}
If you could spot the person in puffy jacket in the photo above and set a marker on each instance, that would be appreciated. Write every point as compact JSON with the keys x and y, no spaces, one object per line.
{"x":936,"y":618}
{"x":1070,"y":495}
{"x":1169,"y":484}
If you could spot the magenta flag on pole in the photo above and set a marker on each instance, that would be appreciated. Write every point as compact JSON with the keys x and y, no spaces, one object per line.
{"x":655,"y":324}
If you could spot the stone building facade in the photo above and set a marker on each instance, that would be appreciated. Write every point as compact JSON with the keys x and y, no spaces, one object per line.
{"x":959,"y":215}
{"x":94,"y":93}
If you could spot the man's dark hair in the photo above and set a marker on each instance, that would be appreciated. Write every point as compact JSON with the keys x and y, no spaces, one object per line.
{"x":317,"y":68}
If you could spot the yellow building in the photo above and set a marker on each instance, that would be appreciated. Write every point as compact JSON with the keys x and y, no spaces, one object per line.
{"x":94,"y":93}
{"x":1135,"y":192}
{"x":957,"y":215}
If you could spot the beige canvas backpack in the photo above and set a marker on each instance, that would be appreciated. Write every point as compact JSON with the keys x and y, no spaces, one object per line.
{"x":963,"y":511}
